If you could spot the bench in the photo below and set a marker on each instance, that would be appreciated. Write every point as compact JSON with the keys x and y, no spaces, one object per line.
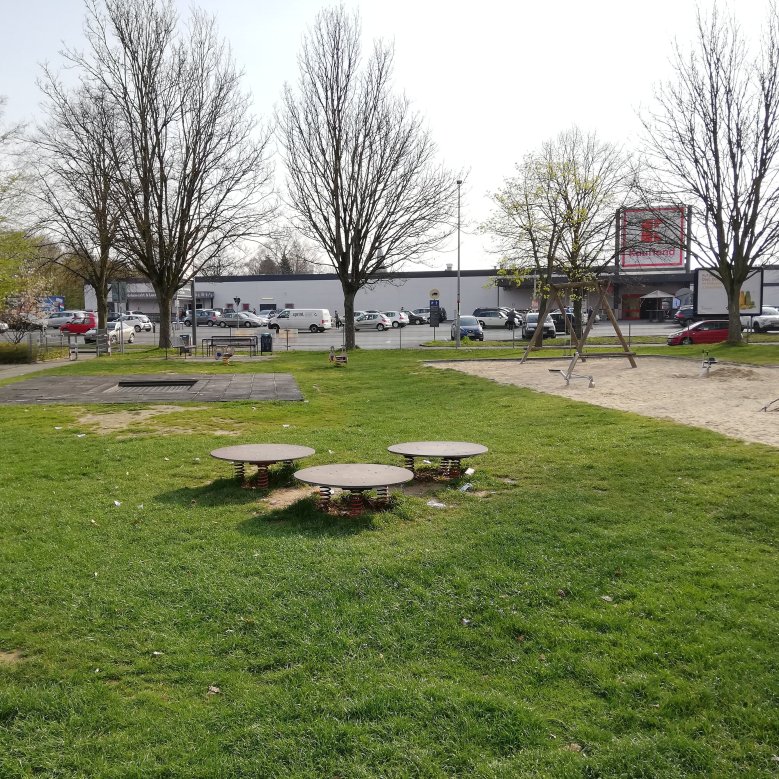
{"x":249,"y":342}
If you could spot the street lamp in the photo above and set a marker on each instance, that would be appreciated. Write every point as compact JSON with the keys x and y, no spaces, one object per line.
{"x":457,"y":311}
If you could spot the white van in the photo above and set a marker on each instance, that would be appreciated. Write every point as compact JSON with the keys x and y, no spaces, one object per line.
{"x":315,"y":320}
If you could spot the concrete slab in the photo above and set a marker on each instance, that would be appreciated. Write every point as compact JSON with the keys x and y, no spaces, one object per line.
{"x":152,"y":388}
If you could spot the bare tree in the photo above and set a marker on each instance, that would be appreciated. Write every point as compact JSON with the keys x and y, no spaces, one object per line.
{"x":713,"y":139}
{"x":558,"y":214}
{"x":76,"y":172}
{"x":362,"y":177}
{"x":284,"y":252}
{"x":192,"y":172}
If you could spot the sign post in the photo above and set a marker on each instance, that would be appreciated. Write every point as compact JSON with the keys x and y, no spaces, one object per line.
{"x":435,"y":310}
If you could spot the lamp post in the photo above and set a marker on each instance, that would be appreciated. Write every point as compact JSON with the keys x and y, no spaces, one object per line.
{"x":457,"y":311}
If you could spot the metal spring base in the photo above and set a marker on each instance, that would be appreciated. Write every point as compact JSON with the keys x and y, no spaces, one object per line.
{"x":261,"y":479}
{"x":450,"y":467}
{"x":325,"y":493}
{"x":355,"y":504}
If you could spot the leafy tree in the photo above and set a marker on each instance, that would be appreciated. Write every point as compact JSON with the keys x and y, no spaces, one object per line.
{"x":22,"y":284}
{"x":713,"y":139}
{"x":362,"y":177}
{"x":557,"y":215}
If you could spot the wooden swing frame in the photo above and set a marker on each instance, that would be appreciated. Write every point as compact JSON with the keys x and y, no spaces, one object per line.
{"x":577,"y":343}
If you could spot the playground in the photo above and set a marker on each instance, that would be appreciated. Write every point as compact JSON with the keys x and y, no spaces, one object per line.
{"x":726,"y":398}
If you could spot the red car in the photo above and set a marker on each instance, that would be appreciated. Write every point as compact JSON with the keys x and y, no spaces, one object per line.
{"x":709,"y":331}
{"x":79,"y":325}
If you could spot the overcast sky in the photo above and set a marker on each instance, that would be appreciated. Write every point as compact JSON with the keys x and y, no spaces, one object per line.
{"x":493,"y":79}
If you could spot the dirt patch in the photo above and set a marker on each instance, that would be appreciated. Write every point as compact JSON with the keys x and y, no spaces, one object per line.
{"x":727,"y":399}
{"x":422,"y":488}
{"x":283,"y":498}
{"x":10,"y":658}
{"x":115,"y":421}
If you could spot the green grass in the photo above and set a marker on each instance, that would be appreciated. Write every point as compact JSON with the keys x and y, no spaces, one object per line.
{"x":474,"y":641}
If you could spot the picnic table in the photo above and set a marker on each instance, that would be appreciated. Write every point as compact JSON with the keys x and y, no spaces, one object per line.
{"x":450,"y":452}
{"x":261,"y":455}
{"x":356,"y":478}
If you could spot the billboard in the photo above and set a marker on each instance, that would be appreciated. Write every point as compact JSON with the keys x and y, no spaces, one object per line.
{"x":712,"y":300}
{"x":653,"y":237}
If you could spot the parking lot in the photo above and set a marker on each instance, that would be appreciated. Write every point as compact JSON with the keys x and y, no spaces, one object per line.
{"x":411,"y":336}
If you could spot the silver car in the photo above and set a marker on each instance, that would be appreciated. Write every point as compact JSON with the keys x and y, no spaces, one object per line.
{"x":117,"y":332}
{"x":241,"y":319}
{"x":531,"y":323}
{"x":372,"y":320}
{"x":59,"y":318}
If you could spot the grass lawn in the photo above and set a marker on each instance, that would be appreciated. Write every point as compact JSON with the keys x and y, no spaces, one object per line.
{"x":602,"y":603}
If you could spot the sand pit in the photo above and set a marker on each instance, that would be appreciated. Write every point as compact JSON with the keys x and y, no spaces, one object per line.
{"x":727,"y":401}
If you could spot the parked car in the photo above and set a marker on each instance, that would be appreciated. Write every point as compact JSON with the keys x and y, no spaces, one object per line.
{"x":80,"y":324}
{"x":117,"y":332}
{"x":564,"y":321}
{"x":426,"y":312}
{"x":59,"y":318}
{"x":418,"y":317}
{"x":372,"y":320}
{"x":398,"y":318}
{"x":491,"y":317}
{"x":3,"y":327}
{"x":137,"y":321}
{"x":685,"y":315}
{"x":768,"y":319}
{"x":469,"y":328}
{"x":707,"y":331}
{"x":241,"y":319}
{"x":531,"y":323}
{"x":205,"y":316}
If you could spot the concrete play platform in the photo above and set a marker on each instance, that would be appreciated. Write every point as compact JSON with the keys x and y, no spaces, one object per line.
{"x":152,"y":388}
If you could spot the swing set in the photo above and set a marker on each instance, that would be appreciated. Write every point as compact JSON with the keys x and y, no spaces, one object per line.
{"x":556,"y":294}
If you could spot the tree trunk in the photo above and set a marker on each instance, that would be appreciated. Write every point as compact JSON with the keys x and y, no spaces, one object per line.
{"x":102,"y":307}
{"x":349,"y":333}
{"x":734,"y":314}
{"x":165,"y":301}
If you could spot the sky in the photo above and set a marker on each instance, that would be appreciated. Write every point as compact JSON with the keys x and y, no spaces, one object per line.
{"x":492,"y":79}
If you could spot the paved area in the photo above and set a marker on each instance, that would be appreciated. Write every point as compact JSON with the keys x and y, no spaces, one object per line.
{"x":12,"y":371}
{"x":152,"y":388}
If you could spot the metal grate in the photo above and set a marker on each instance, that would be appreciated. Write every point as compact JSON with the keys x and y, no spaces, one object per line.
{"x":151,"y":385}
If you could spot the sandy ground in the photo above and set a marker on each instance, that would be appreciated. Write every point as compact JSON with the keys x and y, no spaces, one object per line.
{"x":728,"y":400}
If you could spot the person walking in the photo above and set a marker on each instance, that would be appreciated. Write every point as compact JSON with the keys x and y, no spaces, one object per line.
{"x":338,"y":322}
{"x":511,"y":319}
